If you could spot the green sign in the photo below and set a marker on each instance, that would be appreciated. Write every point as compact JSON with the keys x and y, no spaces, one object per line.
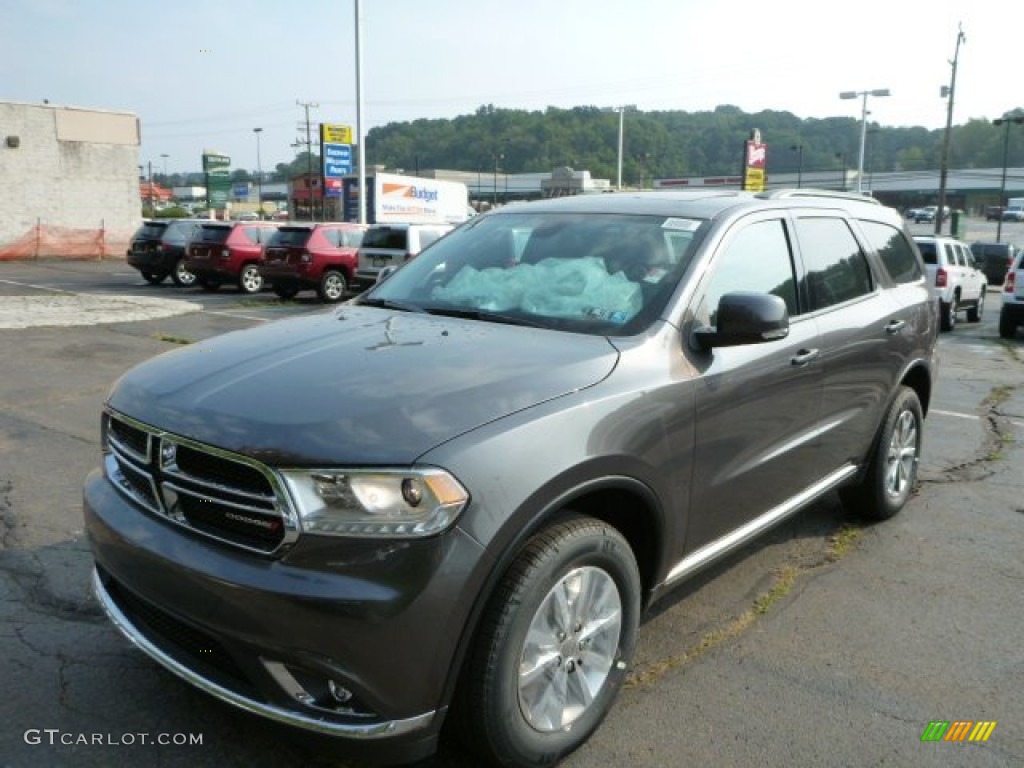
{"x":218,"y":179}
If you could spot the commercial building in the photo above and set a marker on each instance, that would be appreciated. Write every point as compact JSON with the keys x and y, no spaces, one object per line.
{"x":70,"y":181}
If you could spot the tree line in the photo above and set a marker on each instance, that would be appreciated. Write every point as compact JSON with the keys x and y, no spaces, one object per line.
{"x":664,"y":144}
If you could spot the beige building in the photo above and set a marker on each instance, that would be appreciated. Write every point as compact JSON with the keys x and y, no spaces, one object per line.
{"x":69,"y":181}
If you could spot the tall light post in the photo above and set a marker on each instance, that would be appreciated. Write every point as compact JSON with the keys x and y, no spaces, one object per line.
{"x":863,"y":126}
{"x":622,"y":110}
{"x":799,"y":149}
{"x":1006,"y":121}
{"x":944,"y":166}
{"x":494,"y":192}
{"x":165,"y":156}
{"x":259,"y":172}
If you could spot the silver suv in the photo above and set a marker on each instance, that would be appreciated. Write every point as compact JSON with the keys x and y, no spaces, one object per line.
{"x":954,"y":274}
{"x":1012,"y":313}
{"x":388,"y":246}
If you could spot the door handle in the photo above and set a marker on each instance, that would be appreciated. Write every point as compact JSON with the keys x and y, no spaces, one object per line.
{"x":803,"y":357}
{"x":895,"y":326}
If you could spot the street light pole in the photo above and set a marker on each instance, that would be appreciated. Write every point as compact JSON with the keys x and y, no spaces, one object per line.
{"x":622,"y":114}
{"x":863,"y":126}
{"x":259,"y":173}
{"x":1002,"y":184}
{"x":799,"y":149}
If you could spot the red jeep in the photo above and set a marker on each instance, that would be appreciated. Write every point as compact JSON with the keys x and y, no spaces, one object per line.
{"x":321,"y":257}
{"x":229,"y":252}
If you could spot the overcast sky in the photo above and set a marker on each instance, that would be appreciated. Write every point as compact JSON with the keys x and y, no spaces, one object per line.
{"x":202,"y":74}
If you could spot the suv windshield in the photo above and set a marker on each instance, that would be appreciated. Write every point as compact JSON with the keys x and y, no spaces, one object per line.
{"x":291,"y":236}
{"x":588,"y":273}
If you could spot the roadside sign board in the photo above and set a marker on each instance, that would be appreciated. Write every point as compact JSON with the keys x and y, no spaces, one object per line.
{"x":335,"y":134}
{"x":217,"y":168}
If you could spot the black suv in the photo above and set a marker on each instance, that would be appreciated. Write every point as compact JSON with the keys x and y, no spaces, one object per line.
{"x":158,"y":250}
{"x":450,"y":500}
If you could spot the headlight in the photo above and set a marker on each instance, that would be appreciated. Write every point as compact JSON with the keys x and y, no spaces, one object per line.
{"x":374,"y":503}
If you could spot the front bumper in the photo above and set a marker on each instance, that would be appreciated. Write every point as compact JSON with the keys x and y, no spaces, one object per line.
{"x":278,"y":638}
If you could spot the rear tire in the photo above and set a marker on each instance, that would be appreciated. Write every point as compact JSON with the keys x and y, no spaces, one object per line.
{"x":892,"y":474}
{"x":1007,"y":326}
{"x":554,"y":646}
{"x":947,"y":315}
{"x":332,"y":286}
{"x":974,"y":313}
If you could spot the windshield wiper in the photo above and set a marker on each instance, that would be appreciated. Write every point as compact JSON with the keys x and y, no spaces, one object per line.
{"x":401,"y":306}
{"x":485,"y":315}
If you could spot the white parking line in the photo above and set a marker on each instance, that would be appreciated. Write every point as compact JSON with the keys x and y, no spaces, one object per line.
{"x":969,"y":416}
{"x":35,"y":287}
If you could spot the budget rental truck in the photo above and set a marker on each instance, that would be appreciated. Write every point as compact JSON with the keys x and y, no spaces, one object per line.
{"x":392,"y":198}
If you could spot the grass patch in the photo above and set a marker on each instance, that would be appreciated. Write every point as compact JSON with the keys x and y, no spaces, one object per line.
{"x":843,"y":540}
{"x":172,"y":339}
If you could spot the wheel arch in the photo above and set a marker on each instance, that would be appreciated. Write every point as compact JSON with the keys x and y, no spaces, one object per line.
{"x":624,"y":503}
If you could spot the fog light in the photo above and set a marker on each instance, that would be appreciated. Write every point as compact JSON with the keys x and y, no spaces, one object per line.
{"x":339,"y":693}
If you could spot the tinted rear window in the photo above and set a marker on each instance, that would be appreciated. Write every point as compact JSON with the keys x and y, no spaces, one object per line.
{"x":927,"y":252}
{"x":385,"y":237}
{"x":153,"y":230}
{"x":212,"y":234}
{"x":291,"y":236}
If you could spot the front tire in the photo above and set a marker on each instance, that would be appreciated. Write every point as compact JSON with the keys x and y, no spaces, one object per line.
{"x":250,"y":280}
{"x":181,"y":276}
{"x":892,"y":474}
{"x":332,"y":286}
{"x":555,"y":644}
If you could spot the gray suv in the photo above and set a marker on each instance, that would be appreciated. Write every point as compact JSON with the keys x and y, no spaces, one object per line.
{"x":449,"y":501}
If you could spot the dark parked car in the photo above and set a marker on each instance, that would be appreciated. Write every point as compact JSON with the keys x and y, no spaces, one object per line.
{"x":158,"y":250}
{"x":993,"y":212}
{"x":994,"y":260}
{"x":321,"y":257}
{"x":450,"y":500}
{"x":229,"y":252}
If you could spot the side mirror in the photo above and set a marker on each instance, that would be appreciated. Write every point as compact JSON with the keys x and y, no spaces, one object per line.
{"x":745,"y":318}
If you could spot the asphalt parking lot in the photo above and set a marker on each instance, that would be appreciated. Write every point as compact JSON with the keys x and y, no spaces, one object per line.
{"x":829,"y":642}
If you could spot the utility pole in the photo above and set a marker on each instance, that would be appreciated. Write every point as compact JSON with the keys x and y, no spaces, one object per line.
{"x":944,"y":168}
{"x":307,"y":105}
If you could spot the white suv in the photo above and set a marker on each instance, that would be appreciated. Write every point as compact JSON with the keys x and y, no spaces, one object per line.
{"x":955,"y":277}
{"x":1012,"y":313}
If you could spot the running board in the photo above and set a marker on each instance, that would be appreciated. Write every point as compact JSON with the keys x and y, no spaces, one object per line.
{"x":736,"y":539}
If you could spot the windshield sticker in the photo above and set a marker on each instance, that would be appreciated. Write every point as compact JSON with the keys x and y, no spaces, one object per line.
{"x":609,"y":315}
{"x":685,"y":225}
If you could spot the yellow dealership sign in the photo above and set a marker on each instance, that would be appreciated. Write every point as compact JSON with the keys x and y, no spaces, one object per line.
{"x":335,"y":134}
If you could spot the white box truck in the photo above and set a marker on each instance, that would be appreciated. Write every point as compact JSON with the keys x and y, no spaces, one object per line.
{"x":392,"y":198}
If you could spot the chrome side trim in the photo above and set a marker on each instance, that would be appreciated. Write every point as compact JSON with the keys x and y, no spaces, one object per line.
{"x":709,"y":552}
{"x":362,"y":731}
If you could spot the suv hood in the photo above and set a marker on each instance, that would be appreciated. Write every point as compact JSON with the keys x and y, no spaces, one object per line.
{"x":357,"y":385}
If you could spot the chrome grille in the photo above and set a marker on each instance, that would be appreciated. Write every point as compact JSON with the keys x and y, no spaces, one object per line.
{"x":213,"y":492}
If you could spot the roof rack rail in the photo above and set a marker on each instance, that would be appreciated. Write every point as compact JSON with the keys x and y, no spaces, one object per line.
{"x":776,"y":194}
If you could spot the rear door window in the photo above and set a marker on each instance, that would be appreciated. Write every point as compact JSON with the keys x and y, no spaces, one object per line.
{"x":894,"y":250}
{"x":837,"y":269}
{"x":385,"y":237}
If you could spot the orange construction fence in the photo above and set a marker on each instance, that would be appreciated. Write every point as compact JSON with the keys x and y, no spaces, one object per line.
{"x":45,"y":241}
